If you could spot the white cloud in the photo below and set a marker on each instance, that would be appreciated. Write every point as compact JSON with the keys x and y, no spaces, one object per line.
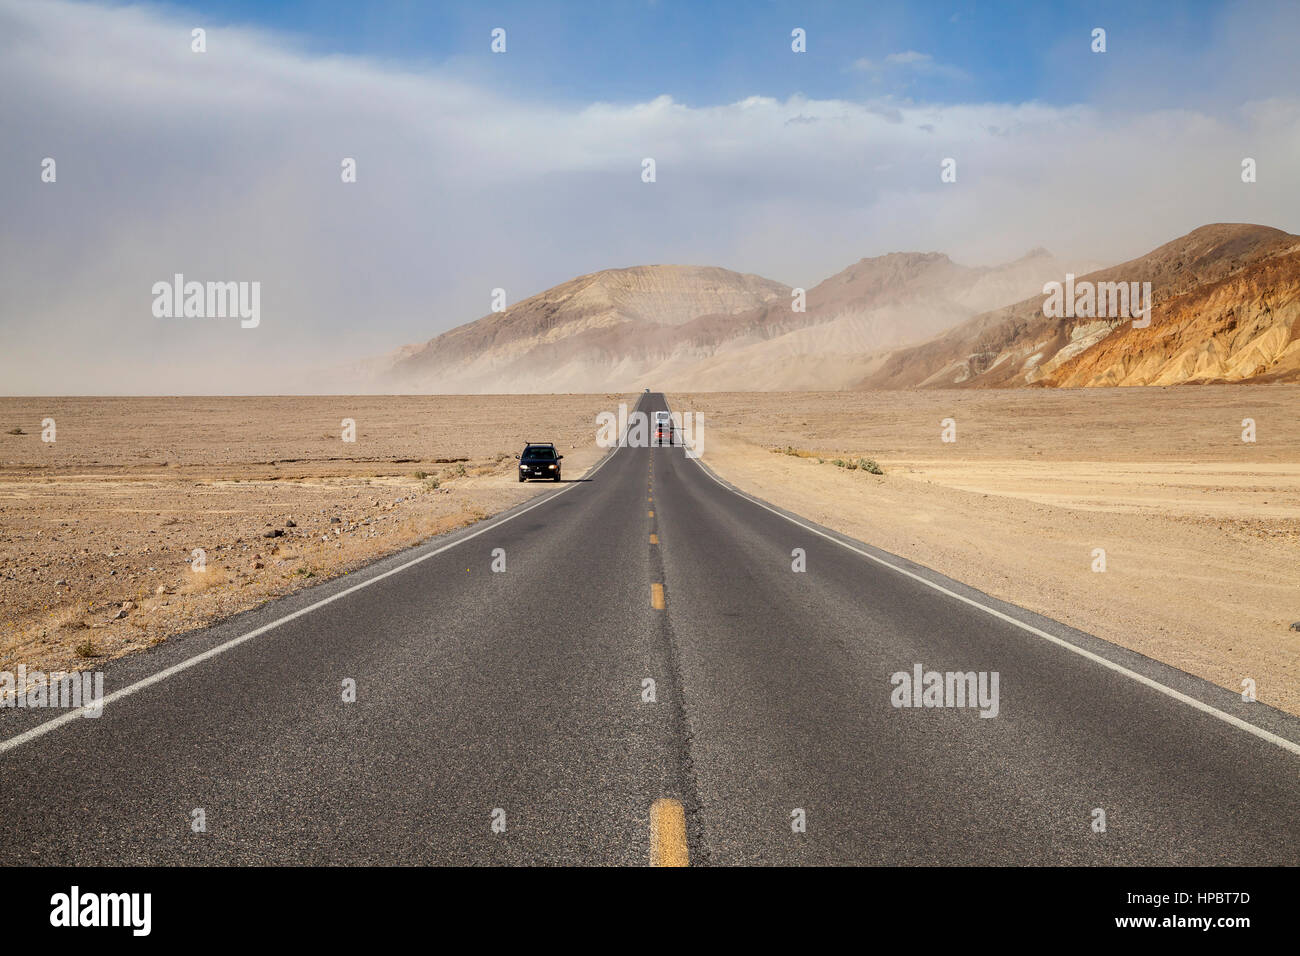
{"x":225,"y":166}
{"x":910,"y":62}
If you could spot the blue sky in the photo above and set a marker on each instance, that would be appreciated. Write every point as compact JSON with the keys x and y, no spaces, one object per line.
{"x":703,"y":53}
{"x":520,"y":171}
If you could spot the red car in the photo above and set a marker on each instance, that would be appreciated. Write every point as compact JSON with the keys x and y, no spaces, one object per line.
{"x":663,"y":429}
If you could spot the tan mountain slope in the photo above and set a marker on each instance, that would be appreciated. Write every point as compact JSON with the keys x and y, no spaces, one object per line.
{"x":697,"y":327}
{"x":1224,"y":300}
{"x":854,"y":317}
{"x":573,"y":337}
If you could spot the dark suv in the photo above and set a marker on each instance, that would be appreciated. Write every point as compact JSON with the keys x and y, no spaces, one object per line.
{"x":539,"y":460}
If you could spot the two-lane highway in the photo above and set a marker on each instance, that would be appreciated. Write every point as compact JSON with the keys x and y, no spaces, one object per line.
{"x":509,"y":716}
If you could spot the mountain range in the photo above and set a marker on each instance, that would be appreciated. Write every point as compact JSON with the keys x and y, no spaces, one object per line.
{"x":1226,"y":307}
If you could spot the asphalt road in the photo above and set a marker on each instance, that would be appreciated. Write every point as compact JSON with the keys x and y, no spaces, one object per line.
{"x":523,"y":692}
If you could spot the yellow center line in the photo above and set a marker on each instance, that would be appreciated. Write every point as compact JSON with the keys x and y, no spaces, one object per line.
{"x":657,"y":596}
{"x":668,"y":834}
{"x":654,"y":539}
{"x":652,"y":514}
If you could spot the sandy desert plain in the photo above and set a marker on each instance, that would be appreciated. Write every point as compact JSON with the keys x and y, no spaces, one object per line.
{"x":1201,"y":529}
{"x":112,"y":511}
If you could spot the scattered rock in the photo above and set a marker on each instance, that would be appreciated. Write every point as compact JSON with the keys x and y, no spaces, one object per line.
{"x":336,"y":520}
{"x":273,"y":533}
{"x":258,"y":565}
{"x":60,"y":582}
{"x":1296,"y":626}
{"x":161,"y":589}
{"x":291,"y":523}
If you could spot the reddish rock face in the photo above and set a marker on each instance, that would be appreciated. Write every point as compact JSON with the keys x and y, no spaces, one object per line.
{"x":1244,"y":327}
{"x":1226,"y":308}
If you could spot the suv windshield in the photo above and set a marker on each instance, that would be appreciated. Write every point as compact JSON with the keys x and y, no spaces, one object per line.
{"x":547,"y":453}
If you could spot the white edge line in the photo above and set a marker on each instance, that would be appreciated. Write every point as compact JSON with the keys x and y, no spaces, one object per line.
{"x":1235,"y":721}
{"x":67,"y":716}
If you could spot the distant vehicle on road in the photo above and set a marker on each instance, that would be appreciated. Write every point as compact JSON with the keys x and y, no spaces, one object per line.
{"x":539,"y":460}
{"x":663,"y":428}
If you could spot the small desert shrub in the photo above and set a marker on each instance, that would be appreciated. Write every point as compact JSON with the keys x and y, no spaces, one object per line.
{"x":196,"y":582}
{"x":85,"y":649}
{"x":431,"y":484}
{"x":860,"y":464}
{"x":419,"y":475}
{"x":17,"y":431}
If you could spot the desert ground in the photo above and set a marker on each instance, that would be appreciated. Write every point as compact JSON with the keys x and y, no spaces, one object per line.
{"x":1201,"y":530}
{"x":98,"y":528}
